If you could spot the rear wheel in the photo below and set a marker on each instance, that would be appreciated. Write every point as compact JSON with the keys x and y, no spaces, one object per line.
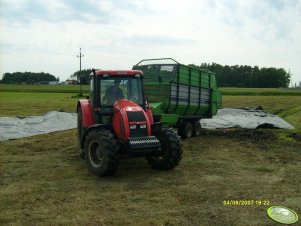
{"x":80,"y":131}
{"x":197,"y":128}
{"x":101,"y":152}
{"x":171,"y":150}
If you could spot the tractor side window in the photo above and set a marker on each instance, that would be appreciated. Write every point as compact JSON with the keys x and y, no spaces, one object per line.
{"x":135,"y":91}
{"x":107,"y":91}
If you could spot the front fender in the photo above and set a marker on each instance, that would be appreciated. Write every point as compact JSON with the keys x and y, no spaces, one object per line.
{"x":93,"y":127}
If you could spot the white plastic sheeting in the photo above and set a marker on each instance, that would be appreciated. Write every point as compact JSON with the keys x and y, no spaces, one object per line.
{"x":14,"y":127}
{"x":249,"y":118}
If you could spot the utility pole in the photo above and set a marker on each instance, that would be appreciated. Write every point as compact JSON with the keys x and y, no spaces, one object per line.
{"x":80,"y":71}
{"x":290,"y":75}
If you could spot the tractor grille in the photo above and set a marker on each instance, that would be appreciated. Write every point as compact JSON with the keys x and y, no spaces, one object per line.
{"x":143,"y":145}
{"x":136,"y":116}
{"x":138,"y":132}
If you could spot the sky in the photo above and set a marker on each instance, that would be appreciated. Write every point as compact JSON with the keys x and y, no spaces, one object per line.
{"x":37,"y":35}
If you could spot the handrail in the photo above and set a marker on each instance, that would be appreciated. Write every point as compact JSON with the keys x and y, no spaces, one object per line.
{"x":157,"y":61}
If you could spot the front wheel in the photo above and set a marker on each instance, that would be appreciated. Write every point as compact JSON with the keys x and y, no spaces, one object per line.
{"x":171,"y":150}
{"x":101,"y":153}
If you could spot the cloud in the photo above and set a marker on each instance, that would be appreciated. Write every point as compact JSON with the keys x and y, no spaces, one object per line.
{"x":119,"y":33}
{"x":263,"y":20}
{"x":155,"y":40}
{"x":53,"y":11}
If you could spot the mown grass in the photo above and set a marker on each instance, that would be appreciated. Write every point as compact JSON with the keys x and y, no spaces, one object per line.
{"x":44,"y":182}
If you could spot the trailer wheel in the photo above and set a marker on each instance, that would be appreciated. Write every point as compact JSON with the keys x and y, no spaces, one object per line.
{"x":171,"y":150}
{"x":101,"y":153}
{"x":80,"y":131}
{"x":186,"y":130}
{"x":197,"y":128}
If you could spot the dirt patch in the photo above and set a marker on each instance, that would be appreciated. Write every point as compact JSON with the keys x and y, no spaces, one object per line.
{"x":296,"y":136}
{"x":254,"y":135}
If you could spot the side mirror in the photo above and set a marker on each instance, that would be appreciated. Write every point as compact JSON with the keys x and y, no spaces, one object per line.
{"x":146,"y":104}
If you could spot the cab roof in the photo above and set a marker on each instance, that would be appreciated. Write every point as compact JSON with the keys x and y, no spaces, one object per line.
{"x":118,"y":72}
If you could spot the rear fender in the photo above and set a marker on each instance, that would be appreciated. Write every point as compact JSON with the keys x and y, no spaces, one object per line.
{"x":87,"y":116}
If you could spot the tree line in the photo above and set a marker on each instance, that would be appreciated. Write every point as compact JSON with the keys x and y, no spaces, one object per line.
{"x":247,"y":76}
{"x":82,"y":76}
{"x":230,"y":76}
{"x":27,"y":77}
{"x":227,"y":76}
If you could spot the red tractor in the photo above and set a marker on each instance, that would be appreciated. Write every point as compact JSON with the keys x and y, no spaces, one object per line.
{"x":116,"y":120}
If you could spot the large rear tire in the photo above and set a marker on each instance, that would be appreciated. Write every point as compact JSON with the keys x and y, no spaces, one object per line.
{"x":80,"y":132}
{"x":171,"y":150}
{"x":101,"y":152}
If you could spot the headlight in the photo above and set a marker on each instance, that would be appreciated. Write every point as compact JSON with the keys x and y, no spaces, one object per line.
{"x":143,"y":126}
{"x":133,"y":127}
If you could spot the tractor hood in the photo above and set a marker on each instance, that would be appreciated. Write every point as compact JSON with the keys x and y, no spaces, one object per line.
{"x":126,"y":105}
{"x":130,"y":120}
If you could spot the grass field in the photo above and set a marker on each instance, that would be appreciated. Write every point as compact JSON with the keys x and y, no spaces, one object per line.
{"x":262,"y":91}
{"x":43,"y":88}
{"x":85,"y":88}
{"x":44,"y":182}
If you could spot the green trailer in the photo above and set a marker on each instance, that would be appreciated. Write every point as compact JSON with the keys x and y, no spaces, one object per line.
{"x":179,"y":95}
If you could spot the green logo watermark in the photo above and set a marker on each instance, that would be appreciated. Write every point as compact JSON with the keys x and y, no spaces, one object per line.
{"x":282,"y":214}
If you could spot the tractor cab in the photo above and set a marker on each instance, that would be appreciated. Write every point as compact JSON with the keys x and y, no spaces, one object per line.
{"x":107,"y":87}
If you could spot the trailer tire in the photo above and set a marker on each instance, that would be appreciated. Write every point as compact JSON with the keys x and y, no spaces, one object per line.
{"x":197,"y":128}
{"x":101,"y":151}
{"x":171,"y":147}
{"x":186,"y":130}
{"x":80,"y":131}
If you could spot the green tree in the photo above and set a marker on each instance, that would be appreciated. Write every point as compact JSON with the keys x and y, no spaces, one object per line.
{"x":27,"y":77}
{"x":247,"y":76}
{"x":85,"y":73}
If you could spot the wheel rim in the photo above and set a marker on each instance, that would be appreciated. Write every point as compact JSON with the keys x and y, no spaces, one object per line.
{"x":95,"y":154}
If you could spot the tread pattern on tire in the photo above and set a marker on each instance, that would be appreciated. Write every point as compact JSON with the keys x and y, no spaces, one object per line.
{"x":173,"y":153}
{"x":110,"y":151}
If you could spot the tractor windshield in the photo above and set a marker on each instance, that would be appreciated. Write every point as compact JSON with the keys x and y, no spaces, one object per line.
{"x":114,"y":88}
